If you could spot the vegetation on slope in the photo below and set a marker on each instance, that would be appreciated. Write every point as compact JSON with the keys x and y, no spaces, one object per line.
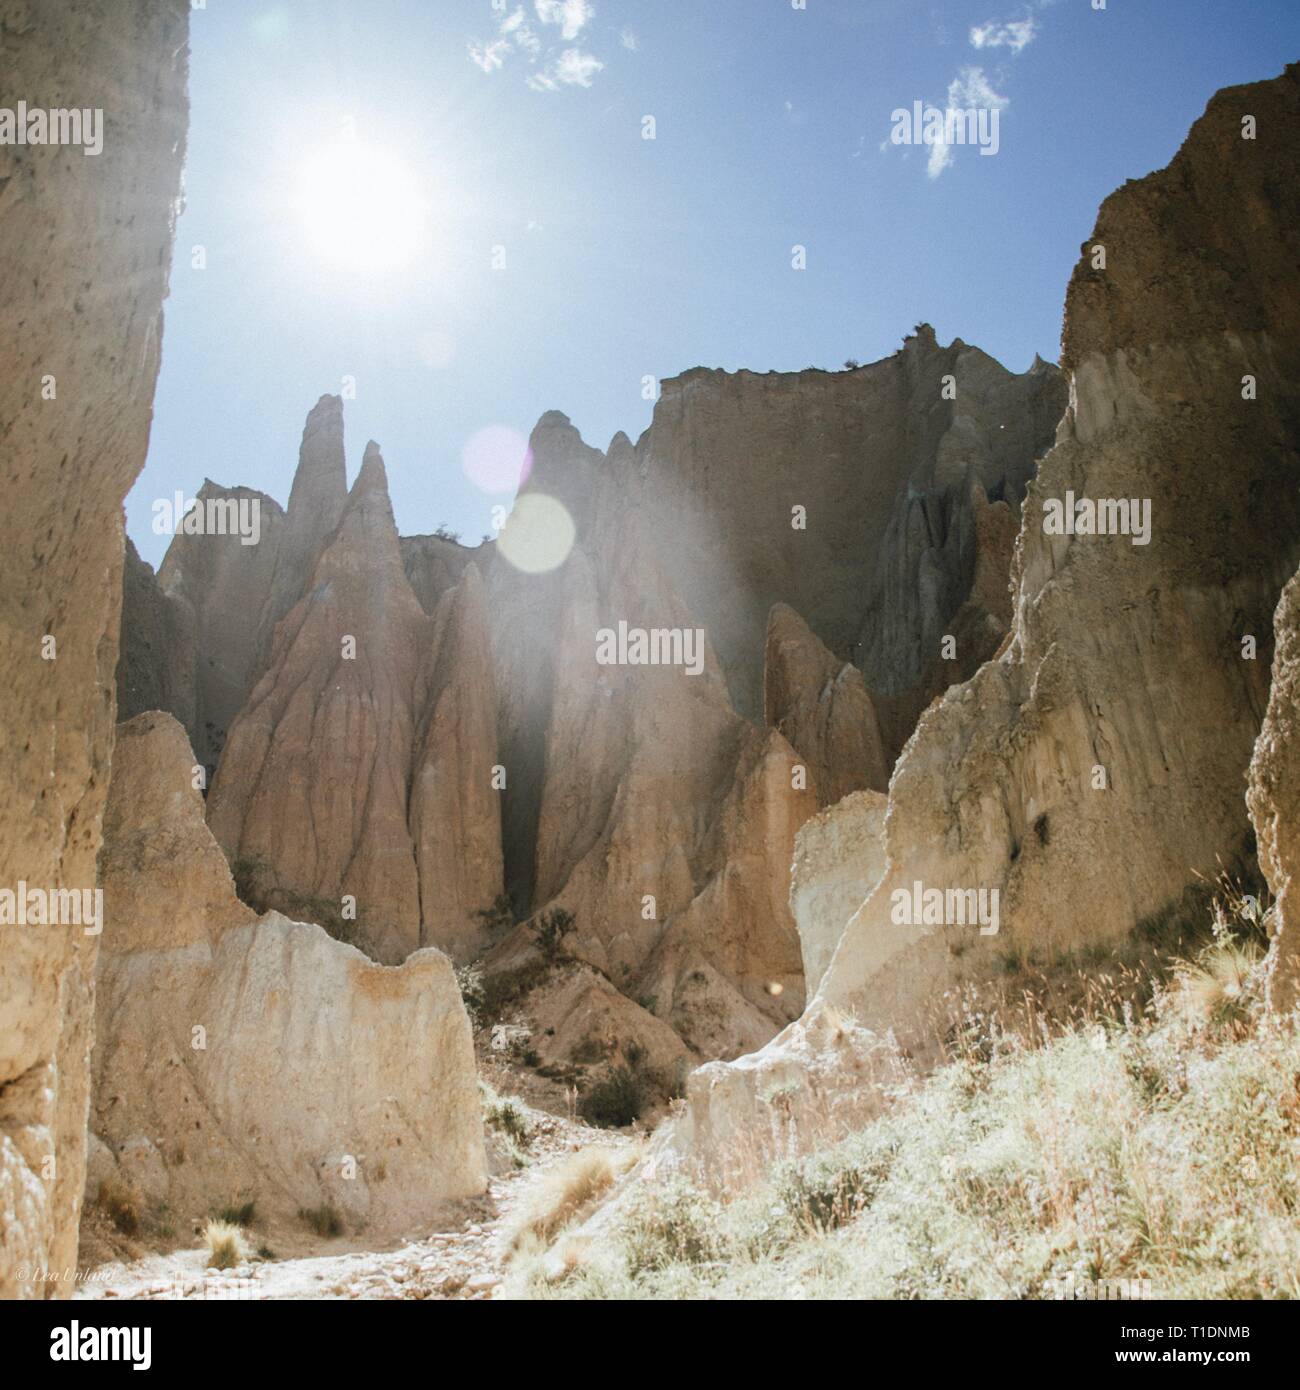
{"x":1131,"y":1153}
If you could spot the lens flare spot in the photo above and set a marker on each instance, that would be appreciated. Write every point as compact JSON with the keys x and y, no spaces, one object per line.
{"x":497,"y":459}
{"x":538,"y":534}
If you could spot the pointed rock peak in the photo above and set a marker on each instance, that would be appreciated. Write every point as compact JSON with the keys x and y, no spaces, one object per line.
{"x":921,"y":337}
{"x":373,"y":476}
{"x":553,"y":419}
{"x":321,"y":480}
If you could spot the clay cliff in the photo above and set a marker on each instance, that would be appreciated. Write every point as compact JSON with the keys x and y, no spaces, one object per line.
{"x":656,"y":802}
{"x":75,"y":397}
{"x":245,"y":1059}
{"x":1092,"y":775}
{"x":356,"y":783}
{"x":1095,"y":770}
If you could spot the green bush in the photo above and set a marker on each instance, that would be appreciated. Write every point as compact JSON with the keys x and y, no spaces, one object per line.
{"x":616,"y":1100}
{"x":550,"y":929}
{"x":671,"y":1224}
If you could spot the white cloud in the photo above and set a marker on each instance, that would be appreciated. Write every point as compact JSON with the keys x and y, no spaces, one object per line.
{"x":969,"y":89}
{"x":629,"y":41}
{"x":940,"y":159}
{"x":516,"y":26}
{"x":1015,"y":34}
{"x":489,"y":56}
{"x":571,"y":15}
{"x":573,"y":68}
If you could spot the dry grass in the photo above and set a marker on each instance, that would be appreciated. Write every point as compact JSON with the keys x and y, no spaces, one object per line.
{"x":225,"y":1242}
{"x":1155,"y":1145}
{"x":121,"y":1204}
{"x":568,"y":1191}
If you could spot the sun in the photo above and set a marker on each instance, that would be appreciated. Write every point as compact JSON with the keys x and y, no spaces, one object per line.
{"x":361,"y":208}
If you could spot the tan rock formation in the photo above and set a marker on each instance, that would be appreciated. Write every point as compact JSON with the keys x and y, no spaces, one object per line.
{"x":839,"y":858}
{"x":1274,"y":799}
{"x":81,"y":357}
{"x":1093,"y":769}
{"x":579,"y":1018}
{"x":361,"y":766}
{"x":1126,"y":660}
{"x":822,"y":707}
{"x":454,"y":811}
{"x":244,"y":1059}
{"x":316,"y":502}
{"x":881,"y":459}
{"x":219,"y":584}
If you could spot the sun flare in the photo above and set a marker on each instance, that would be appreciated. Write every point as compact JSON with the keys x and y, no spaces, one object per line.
{"x":361,"y":208}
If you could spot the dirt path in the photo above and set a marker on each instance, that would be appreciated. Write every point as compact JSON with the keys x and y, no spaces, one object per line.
{"x":466,"y":1260}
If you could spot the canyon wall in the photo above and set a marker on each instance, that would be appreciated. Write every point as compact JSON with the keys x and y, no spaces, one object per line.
{"x":1092,"y":772}
{"x":240,"y":1058}
{"x":649,"y":800}
{"x":87,"y":255}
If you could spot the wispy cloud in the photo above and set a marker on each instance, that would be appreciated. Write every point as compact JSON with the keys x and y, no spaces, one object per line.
{"x":573,"y":68}
{"x":516,"y":26}
{"x":969,"y":90}
{"x":489,"y":56}
{"x":572,"y":16}
{"x":556,"y":68}
{"x":1014,"y":34}
{"x":629,"y":40}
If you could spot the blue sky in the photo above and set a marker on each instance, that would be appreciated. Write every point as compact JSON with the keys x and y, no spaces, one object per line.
{"x":519,"y":125}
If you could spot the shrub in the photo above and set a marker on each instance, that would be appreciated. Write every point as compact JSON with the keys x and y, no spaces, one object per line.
{"x":232,"y":1215}
{"x":498,"y":917}
{"x":673,"y":1223}
{"x":550,"y":930}
{"x":225,"y":1242}
{"x":616,"y":1100}
{"x":121,"y":1204}
{"x":324,"y":1220}
{"x":473,"y":994}
{"x":826,"y":1190}
{"x":567,"y":1190}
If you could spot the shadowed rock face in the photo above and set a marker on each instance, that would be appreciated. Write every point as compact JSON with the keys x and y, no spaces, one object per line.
{"x":881,"y":460}
{"x":239,"y":1057}
{"x":155,"y":666}
{"x":822,"y":707}
{"x":219,"y":584}
{"x":67,"y":462}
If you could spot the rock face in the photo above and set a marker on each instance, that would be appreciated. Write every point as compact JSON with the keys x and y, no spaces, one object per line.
{"x":1274,"y":799}
{"x":316,"y":502}
{"x":638,"y":796}
{"x":244,"y":1059}
{"x":219,"y":583}
{"x":881,"y":461}
{"x":1092,"y":770}
{"x":1106,"y":749}
{"x":155,"y":666}
{"x":358,"y":777}
{"x":822,"y":707}
{"x":839,"y":858}
{"x":80,"y":363}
